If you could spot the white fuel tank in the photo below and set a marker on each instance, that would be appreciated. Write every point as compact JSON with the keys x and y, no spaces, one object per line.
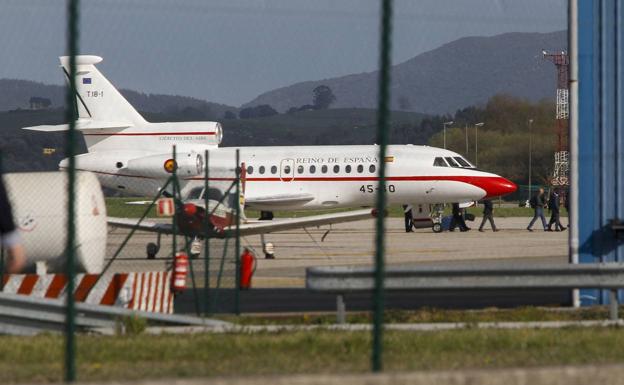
{"x":39,"y":201}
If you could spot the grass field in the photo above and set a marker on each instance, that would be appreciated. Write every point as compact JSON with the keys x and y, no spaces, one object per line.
{"x":119,"y":207}
{"x":431,"y":315}
{"x":39,"y":359}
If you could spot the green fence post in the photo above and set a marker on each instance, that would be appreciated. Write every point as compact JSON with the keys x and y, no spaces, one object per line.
{"x":207,"y":237}
{"x":382,"y":139}
{"x":174,"y":230}
{"x":192,"y":271}
{"x":70,"y":115}
{"x":1,"y":267}
{"x":1,"y":245}
{"x":237,"y":244}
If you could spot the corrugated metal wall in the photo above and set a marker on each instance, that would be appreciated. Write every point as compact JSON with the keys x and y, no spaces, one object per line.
{"x":600,"y":134}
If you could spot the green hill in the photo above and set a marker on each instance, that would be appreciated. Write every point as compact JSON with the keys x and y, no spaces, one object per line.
{"x":333,"y":126}
{"x":23,"y":150}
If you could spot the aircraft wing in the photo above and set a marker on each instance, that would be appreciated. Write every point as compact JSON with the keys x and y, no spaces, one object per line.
{"x":282,"y":224}
{"x":252,"y":227}
{"x":145,"y":225}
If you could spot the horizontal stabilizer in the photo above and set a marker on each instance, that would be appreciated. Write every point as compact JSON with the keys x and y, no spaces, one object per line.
{"x":82,"y":124}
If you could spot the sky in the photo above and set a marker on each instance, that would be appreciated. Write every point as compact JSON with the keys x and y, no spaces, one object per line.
{"x":230,"y":51}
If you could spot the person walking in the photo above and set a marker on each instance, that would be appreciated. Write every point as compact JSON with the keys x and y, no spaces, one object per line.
{"x":407,"y":213}
{"x":458,"y":219}
{"x":9,"y":236}
{"x":553,"y":206}
{"x":488,"y":214}
{"x":537,"y":202}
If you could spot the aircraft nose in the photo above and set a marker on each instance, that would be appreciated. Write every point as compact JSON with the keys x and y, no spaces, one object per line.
{"x":497,"y":186}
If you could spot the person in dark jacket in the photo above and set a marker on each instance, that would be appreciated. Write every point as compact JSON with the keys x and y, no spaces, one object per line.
{"x":538,"y":201}
{"x":488,"y":214}
{"x":9,"y":236}
{"x":553,"y":205}
{"x":458,"y":219}
{"x":407,"y":213}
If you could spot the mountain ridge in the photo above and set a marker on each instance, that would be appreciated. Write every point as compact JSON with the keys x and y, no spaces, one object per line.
{"x":16,"y":93}
{"x":466,"y":71}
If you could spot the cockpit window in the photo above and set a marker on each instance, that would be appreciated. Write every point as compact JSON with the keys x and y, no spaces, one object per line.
{"x":463,"y":162}
{"x":439,"y":162}
{"x":452,"y":162}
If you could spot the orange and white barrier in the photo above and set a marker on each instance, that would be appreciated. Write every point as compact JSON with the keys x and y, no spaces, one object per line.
{"x":148,"y":291}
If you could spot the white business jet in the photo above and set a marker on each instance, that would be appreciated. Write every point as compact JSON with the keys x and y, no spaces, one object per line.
{"x":129,"y":154}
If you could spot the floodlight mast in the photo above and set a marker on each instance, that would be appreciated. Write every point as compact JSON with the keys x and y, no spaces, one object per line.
{"x":530,"y":156}
{"x":477,"y":125}
{"x":561,"y":60}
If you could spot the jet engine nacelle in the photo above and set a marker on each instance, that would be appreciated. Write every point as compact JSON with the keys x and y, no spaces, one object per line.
{"x":39,"y":201}
{"x":187,"y":164}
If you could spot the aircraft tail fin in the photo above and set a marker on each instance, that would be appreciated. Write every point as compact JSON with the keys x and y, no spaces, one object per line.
{"x":96,"y":97}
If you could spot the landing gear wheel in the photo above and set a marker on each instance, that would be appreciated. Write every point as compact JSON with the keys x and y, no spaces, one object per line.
{"x":151,"y":249}
{"x":437,"y":227}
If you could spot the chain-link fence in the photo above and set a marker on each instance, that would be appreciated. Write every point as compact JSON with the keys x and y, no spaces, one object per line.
{"x":157,"y":223}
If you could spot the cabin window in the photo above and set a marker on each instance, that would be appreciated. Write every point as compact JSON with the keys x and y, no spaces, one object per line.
{"x":336,"y":169}
{"x":439,"y":162}
{"x":300,"y":170}
{"x":312,"y":169}
{"x":249,"y":170}
{"x":286,"y":169}
{"x":360,"y":168}
{"x":452,"y":162}
{"x":273,"y":169}
{"x":324,"y":169}
{"x":372,"y":168}
{"x":348,"y":169}
{"x":261,"y":169}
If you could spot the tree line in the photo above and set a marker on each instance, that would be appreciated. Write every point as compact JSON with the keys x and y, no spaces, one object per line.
{"x":512,"y":127}
{"x":513,"y":131}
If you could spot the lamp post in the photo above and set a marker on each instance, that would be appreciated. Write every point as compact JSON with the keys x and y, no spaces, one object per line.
{"x":530,"y":154}
{"x":446,"y":124}
{"x":477,"y":142}
{"x":466,"y":129}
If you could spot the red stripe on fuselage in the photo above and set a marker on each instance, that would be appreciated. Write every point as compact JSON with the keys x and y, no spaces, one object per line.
{"x":452,"y":178}
{"x":150,"y":133}
{"x":457,"y":178}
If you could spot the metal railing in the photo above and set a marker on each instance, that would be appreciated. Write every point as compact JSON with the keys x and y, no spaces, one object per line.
{"x":342,"y":280}
{"x":25,"y":315}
